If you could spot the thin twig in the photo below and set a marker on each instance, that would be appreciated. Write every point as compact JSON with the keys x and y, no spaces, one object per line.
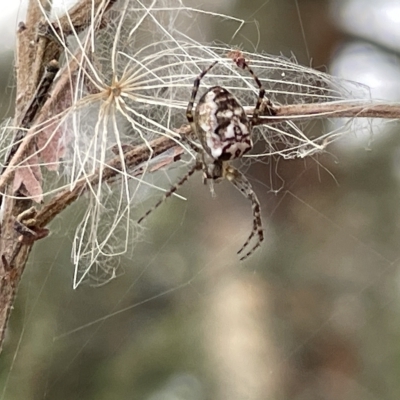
{"x":140,"y":154}
{"x":283,"y":113}
{"x":295,"y":112}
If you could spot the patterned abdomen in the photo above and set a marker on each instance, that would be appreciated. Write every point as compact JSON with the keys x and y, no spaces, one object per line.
{"x":222,"y":125}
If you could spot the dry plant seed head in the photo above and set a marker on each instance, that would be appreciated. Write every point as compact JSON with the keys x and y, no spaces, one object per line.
{"x":224,"y":132}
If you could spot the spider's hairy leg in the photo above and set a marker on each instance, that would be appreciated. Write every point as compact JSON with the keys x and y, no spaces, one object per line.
{"x":240,"y":61}
{"x":197,"y":166}
{"x":244,"y":186}
{"x":196,"y":85}
{"x":269,"y":106}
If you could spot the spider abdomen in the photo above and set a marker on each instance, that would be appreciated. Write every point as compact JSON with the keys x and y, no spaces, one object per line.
{"x":222,"y":125}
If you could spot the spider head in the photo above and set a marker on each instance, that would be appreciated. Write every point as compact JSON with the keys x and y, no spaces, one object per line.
{"x":212,"y":169}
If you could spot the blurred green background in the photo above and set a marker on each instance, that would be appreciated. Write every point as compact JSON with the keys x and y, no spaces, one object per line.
{"x":312,"y":315}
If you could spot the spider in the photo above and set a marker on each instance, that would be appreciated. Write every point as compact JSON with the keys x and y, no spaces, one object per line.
{"x":224,"y":132}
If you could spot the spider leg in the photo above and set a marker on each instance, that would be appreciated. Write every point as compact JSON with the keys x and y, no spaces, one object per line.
{"x":261,"y":95}
{"x":196,"y":85}
{"x":270,"y":108}
{"x":173,"y":189}
{"x":243,"y":185}
{"x":193,"y":145}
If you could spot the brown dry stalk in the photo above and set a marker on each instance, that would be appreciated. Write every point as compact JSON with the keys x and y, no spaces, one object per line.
{"x":284,"y":113}
{"x":141,"y":154}
{"x":297,"y":112}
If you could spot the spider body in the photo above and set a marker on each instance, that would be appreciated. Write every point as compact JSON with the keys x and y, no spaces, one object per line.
{"x":222,"y":125}
{"x":224,"y":131}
